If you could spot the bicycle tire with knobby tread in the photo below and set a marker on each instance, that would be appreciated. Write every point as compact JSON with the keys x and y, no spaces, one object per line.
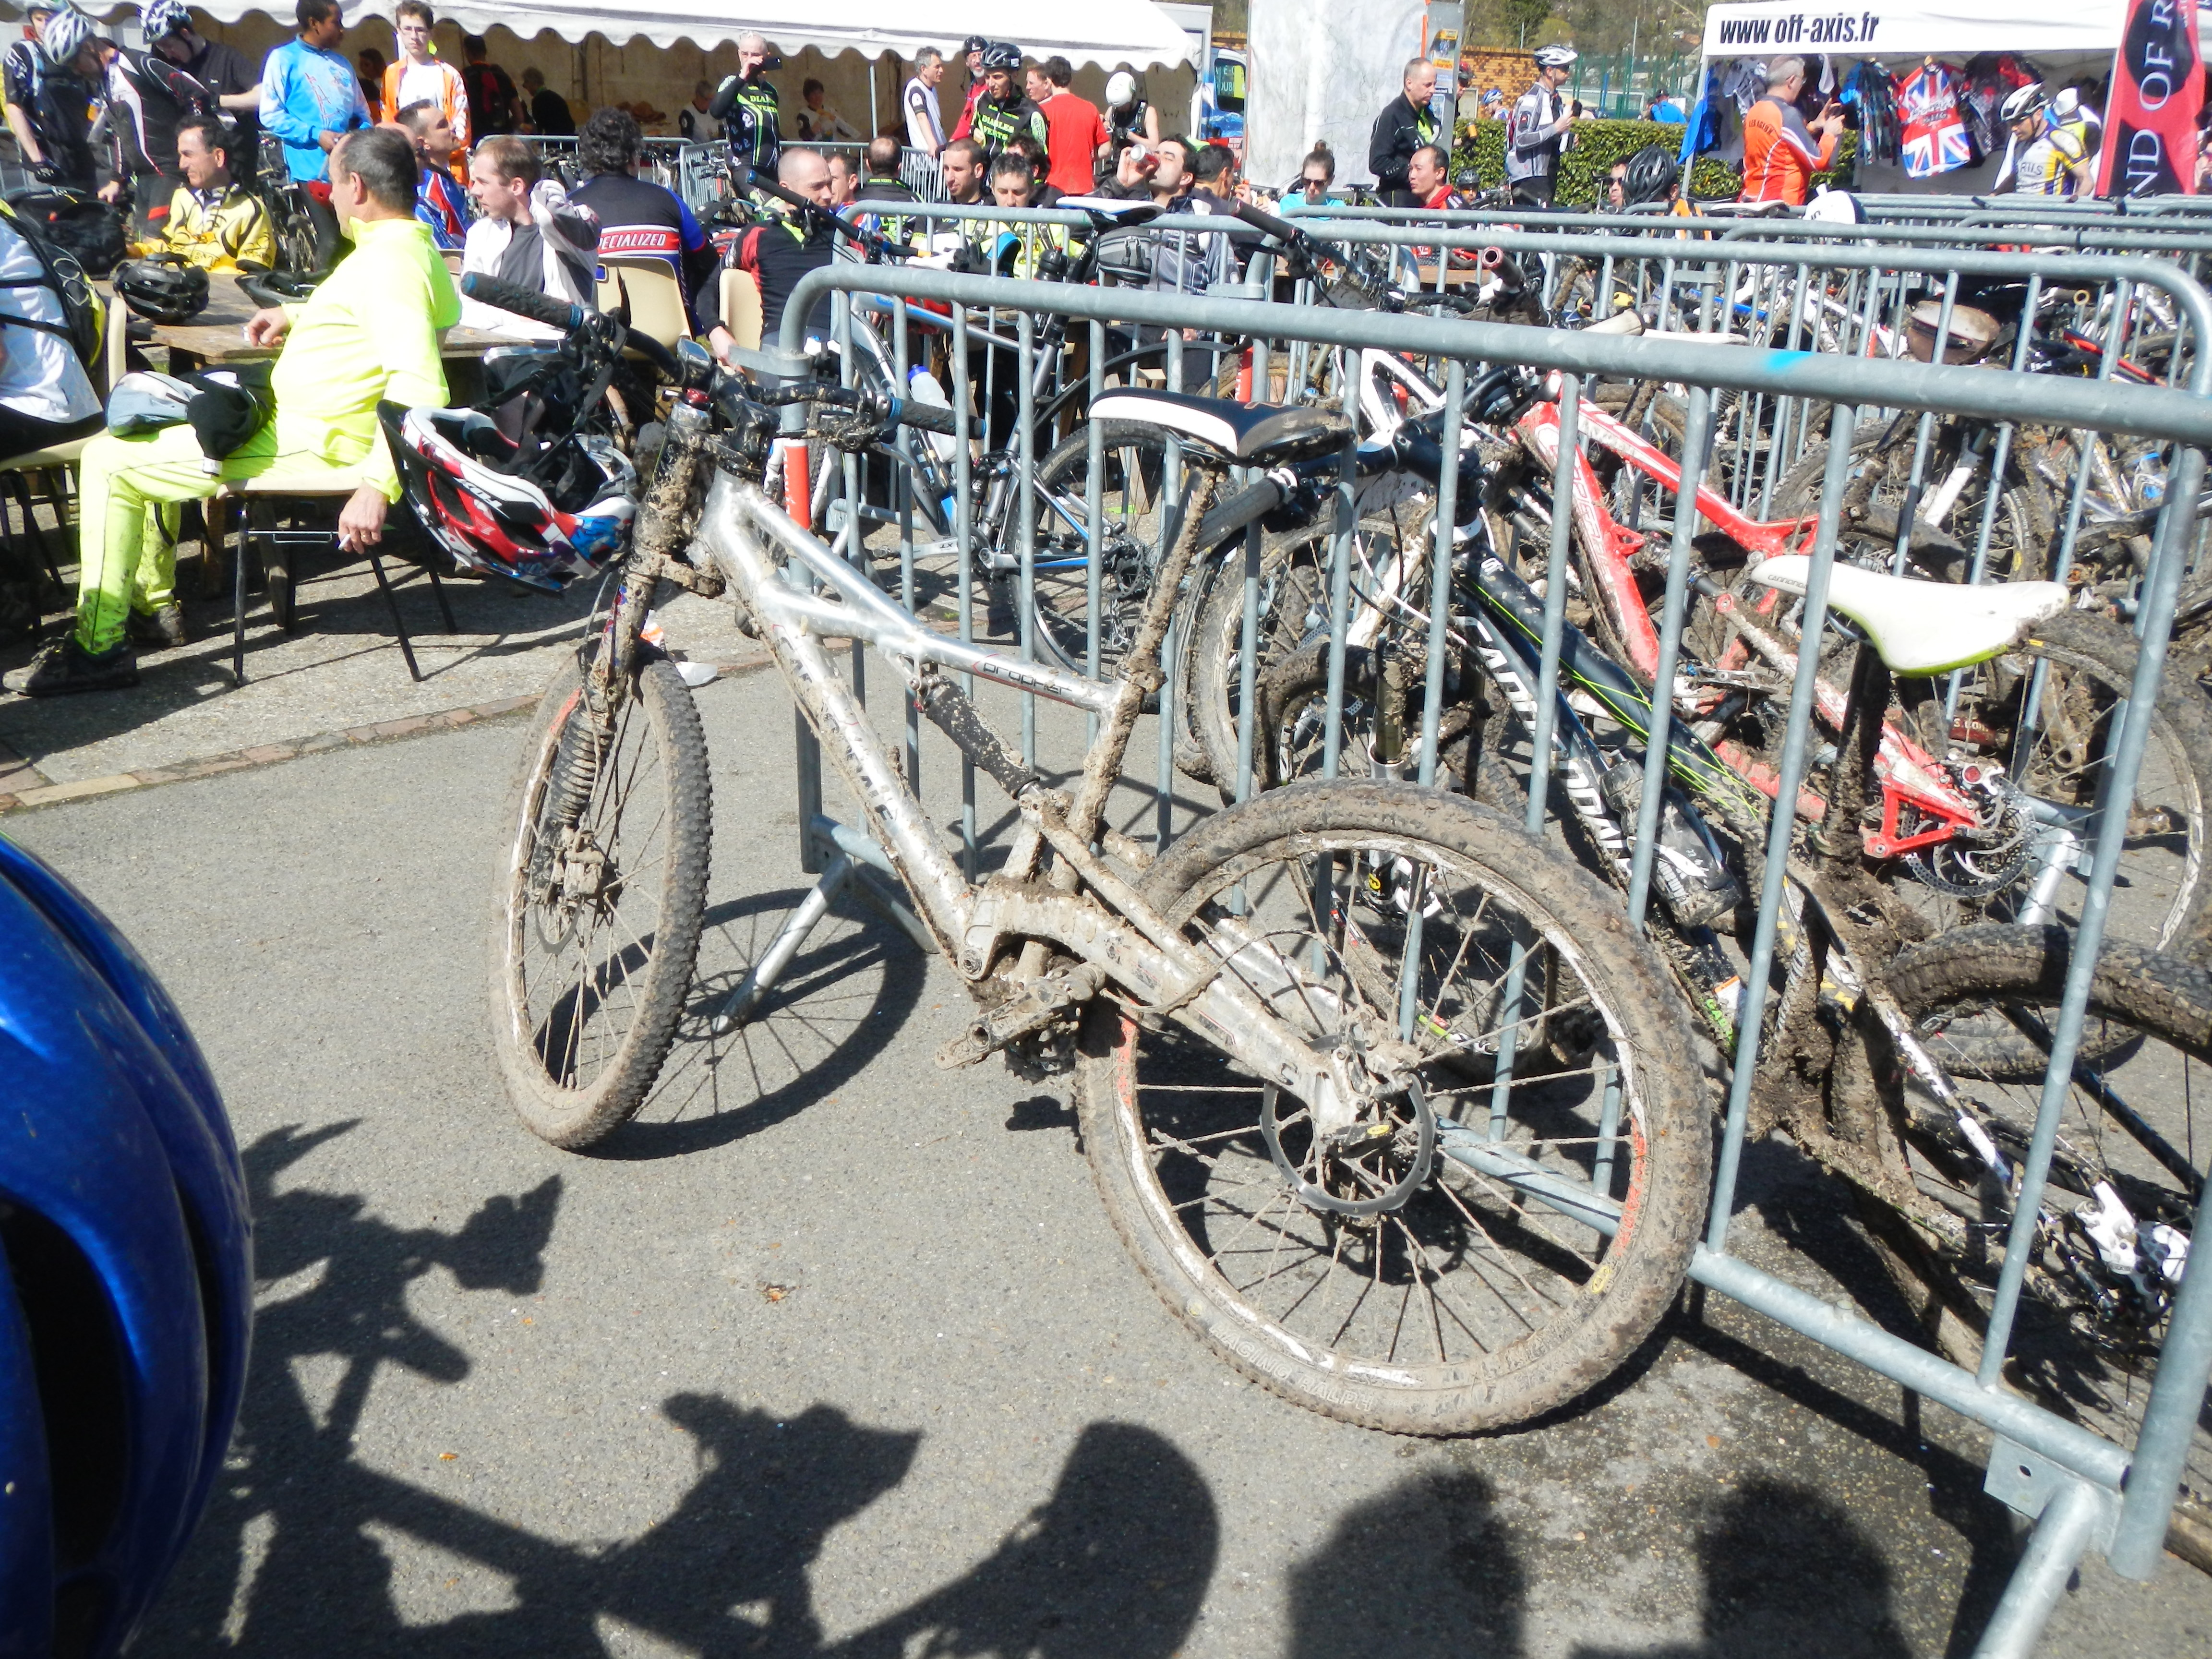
{"x":1563,"y":1360}
{"x":575,"y":1118}
{"x":2154,"y":991}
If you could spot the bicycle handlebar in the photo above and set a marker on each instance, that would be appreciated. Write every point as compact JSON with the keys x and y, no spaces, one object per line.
{"x":1261,"y":220}
{"x":746,"y":177}
{"x":569,"y":318}
{"x":895,"y":411}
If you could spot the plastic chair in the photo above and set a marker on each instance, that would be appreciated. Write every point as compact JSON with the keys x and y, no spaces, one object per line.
{"x":741,"y":307}
{"x":653,"y":295}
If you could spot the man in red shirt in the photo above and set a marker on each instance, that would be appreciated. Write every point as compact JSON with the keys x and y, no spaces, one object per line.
{"x":973,"y":50}
{"x":1074,"y":132}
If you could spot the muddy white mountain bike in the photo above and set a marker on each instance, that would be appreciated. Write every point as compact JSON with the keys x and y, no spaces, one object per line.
{"x":1285,"y":1031}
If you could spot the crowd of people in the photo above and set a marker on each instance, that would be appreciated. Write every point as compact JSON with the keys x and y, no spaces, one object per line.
{"x":416,"y":157}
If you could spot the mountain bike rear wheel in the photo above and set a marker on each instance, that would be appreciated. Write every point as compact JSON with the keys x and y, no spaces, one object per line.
{"x":1397,"y":1273}
{"x":2090,"y":1333}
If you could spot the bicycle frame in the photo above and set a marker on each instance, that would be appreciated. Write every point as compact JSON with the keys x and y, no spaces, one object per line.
{"x":1111,"y":932}
{"x":1910,"y":776}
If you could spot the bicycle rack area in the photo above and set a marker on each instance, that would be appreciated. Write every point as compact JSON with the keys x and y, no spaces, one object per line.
{"x":2083,"y":1492}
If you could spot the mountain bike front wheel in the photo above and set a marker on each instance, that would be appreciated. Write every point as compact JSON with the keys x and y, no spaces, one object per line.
{"x":602,"y":894}
{"x":1406,"y":1271}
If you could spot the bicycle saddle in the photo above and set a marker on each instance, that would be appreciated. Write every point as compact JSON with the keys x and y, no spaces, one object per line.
{"x":1252,"y":435}
{"x":1925,"y":628}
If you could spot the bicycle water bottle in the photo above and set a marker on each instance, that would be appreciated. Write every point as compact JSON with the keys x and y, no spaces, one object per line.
{"x":922,"y":387}
{"x":2146,"y":477}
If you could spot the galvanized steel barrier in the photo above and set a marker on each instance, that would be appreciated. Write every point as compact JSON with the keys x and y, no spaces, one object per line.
{"x":2087,"y":1492}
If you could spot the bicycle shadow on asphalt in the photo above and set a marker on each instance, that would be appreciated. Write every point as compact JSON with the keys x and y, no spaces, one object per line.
{"x":845,"y":998}
{"x":305,"y":1548}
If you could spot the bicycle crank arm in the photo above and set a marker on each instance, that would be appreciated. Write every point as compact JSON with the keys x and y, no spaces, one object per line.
{"x":1226,"y":993}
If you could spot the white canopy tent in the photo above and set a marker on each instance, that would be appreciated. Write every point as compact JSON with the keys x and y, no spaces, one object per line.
{"x":1948,"y":28}
{"x":1323,"y":71}
{"x":1103,"y":32}
{"x":2076,"y":41}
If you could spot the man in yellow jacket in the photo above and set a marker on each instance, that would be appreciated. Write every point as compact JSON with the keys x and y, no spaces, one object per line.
{"x":370,"y":332}
{"x":213,"y":221}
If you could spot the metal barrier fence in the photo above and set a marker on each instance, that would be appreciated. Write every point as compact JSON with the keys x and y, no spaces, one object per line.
{"x":2086,"y":1491}
{"x":694,"y":169}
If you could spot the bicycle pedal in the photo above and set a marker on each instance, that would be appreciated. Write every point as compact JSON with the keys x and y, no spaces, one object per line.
{"x":1031,"y":1010}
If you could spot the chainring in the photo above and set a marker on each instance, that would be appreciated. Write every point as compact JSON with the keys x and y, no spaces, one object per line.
{"x":1976,"y":872}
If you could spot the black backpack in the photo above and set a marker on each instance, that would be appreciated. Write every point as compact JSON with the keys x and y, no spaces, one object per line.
{"x":84,"y":224}
{"x":85,"y":314}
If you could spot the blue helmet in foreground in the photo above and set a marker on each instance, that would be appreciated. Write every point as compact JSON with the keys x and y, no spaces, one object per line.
{"x":128,"y":1295}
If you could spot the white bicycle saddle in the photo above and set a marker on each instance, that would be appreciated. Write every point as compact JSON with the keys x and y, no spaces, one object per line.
{"x":1925,"y":628}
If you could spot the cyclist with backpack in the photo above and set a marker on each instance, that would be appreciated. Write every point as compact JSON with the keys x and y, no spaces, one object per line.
{"x":148,"y":95}
{"x":52,"y":88}
{"x":50,"y":327}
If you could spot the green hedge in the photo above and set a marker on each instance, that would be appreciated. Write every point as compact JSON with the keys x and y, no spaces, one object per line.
{"x":1598,"y":144}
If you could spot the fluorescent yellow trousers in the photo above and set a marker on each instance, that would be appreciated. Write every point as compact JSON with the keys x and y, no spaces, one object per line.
{"x":129,"y":494}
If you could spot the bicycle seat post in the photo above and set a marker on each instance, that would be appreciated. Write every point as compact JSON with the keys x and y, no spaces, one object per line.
{"x":1865,"y":709}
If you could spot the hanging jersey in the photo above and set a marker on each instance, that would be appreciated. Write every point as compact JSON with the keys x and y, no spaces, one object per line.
{"x":1934,"y":138}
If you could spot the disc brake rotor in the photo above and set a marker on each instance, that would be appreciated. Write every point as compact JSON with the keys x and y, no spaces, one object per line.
{"x":1371,"y":1147}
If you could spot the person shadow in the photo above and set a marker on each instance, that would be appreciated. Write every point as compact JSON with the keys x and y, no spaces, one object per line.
{"x":292,"y":1557}
{"x":1428,"y":1569}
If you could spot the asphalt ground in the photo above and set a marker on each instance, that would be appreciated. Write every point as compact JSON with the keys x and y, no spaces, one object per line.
{"x":832,"y":1352}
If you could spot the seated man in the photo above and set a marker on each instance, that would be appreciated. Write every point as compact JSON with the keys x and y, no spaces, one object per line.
{"x":369,"y":332}
{"x":637,"y":218}
{"x":440,"y":201}
{"x":778,"y":255}
{"x":524,"y":236}
{"x":214,"y":223}
{"x":882,"y":182}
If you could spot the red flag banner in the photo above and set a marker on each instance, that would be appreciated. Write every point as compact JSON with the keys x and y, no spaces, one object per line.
{"x":2150,"y":115}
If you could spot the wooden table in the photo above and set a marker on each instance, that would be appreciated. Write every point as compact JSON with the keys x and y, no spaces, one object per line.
{"x":217,"y":335}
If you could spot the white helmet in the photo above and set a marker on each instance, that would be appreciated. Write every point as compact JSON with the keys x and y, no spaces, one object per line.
{"x":1120,"y":88}
{"x":65,"y":36}
{"x":2024,"y":101}
{"x":1554,"y":57}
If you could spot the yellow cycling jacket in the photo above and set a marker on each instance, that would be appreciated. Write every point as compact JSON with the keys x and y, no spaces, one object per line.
{"x":220,"y":234}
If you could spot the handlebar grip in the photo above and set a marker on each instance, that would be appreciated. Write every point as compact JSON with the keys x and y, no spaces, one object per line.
{"x":506,"y":296}
{"x":1261,"y":220}
{"x":653,"y":352}
{"x":926,"y":417}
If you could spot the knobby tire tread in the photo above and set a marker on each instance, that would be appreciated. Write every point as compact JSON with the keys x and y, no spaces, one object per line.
{"x":575,"y":1118}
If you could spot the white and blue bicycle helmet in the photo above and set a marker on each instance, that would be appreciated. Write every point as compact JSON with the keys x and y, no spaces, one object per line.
{"x":127,"y":1298}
